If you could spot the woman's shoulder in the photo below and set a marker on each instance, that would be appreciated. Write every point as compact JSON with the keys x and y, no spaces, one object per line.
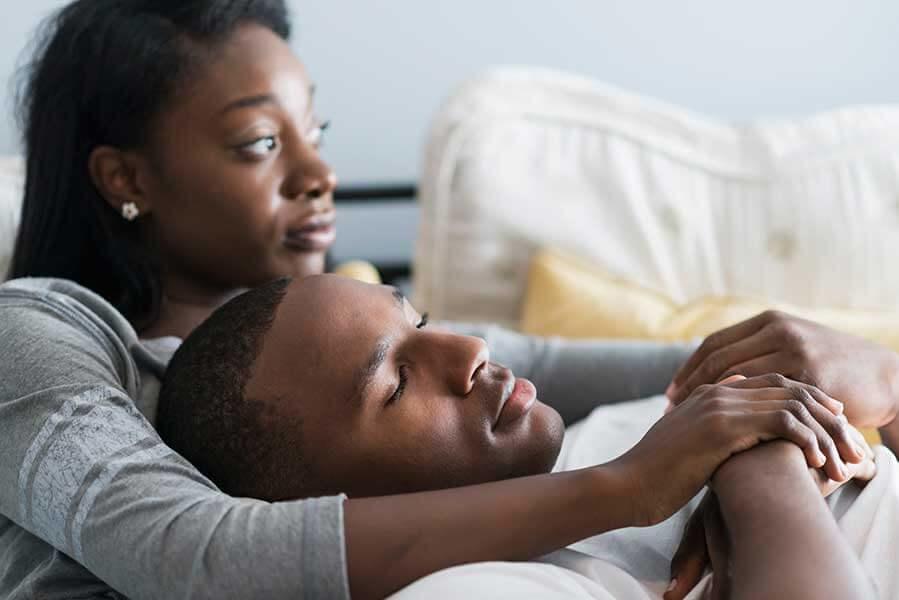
{"x":65,"y":300}
{"x":55,"y":325}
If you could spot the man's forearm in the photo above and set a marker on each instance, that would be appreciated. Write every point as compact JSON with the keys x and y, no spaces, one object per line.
{"x":784,"y":542}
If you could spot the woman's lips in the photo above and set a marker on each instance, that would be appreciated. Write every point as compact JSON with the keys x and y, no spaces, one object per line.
{"x":521,"y":399}
{"x":311,"y":238}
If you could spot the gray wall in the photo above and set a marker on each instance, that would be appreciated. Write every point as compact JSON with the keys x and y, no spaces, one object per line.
{"x":383,"y":67}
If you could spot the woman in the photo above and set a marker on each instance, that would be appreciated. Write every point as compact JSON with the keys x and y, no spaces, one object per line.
{"x":171,"y":163}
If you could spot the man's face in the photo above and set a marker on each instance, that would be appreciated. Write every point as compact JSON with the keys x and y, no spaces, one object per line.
{"x":385,"y":405}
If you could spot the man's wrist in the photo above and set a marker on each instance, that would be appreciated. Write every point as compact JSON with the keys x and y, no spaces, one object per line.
{"x":758,"y":470}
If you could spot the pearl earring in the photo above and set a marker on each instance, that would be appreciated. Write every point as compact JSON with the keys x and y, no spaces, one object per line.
{"x":130,"y":211}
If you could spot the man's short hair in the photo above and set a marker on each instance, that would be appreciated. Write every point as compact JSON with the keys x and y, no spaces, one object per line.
{"x":204,"y":414}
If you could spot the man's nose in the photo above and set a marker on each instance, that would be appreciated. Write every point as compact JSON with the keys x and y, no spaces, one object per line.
{"x":461,"y":358}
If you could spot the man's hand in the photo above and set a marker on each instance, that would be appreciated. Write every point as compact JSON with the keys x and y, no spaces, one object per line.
{"x":704,"y":541}
{"x":862,"y":375}
{"x":679,"y":454}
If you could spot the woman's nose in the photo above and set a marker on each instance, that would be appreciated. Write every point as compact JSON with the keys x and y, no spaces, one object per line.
{"x":319,"y":186}
{"x":309,"y":177}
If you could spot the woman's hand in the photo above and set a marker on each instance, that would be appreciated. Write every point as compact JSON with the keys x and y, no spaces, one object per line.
{"x":701,"y":545}
{"x":862,"y":375}
{"x":679,"y":454}
{"x":861,"y":472}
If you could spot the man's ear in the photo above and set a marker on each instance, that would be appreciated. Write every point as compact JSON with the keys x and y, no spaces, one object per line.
{"x":118,"y":176}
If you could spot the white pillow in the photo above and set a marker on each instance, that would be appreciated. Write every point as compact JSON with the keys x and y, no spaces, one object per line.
{"x":802,"y":211}
{"x":12,"y":180}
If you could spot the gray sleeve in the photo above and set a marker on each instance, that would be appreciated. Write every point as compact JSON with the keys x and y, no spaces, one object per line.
{"x":574,"y":377}
{"x":83,"y":470}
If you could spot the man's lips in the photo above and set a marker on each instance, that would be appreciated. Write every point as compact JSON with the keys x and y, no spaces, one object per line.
{"x":312,"y":234}
{"x":519,"y":396}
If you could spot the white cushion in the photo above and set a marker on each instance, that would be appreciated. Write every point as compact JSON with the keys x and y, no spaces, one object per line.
{"x":802,"y":211}
{"x":12,"y":175}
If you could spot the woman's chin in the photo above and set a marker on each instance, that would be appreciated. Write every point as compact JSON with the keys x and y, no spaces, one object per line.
{"x":297,"y":265}
{"x":306,"y":264}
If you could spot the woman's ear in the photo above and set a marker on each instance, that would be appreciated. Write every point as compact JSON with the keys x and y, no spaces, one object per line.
{"x":117,"y":176}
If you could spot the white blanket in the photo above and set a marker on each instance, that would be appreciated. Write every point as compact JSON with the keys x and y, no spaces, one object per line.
{"x":633,"y":563}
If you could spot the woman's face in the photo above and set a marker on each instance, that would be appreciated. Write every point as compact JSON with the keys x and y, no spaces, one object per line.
{"x":237,"y":191}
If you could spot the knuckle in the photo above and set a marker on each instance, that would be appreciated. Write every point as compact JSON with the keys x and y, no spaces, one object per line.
{"x":716,"y":424}
{"x":827,"y":444}
{"x":713,"y":340}
{"x":839,"y":429}
{"x":706,"y":346}
{"x":803,"y":395}
{"x":796,"y":407}
{"x":706,"y":389}
{"x":717,"y":403}
{"x":786,"y":421}
{"x":790,"y":334}
{"x":776,"y":380}
{"x":711,"y":366}
{"x":772,"y":316}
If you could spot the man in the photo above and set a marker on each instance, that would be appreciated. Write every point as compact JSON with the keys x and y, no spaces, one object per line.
{"x":326,"y":385}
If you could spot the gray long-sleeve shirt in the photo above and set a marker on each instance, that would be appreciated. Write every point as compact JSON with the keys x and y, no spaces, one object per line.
{"x":94,"y":505}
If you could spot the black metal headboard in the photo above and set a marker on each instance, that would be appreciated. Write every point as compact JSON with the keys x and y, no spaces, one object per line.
{"x":386,"y":193}
{"x":357,"y":194}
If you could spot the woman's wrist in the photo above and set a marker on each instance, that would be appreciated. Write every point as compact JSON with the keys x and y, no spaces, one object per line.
{"x":615,"y":490}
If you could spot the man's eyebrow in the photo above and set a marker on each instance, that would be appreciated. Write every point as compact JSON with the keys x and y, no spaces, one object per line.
{"x":249,"y":102}
{"x":365,"y":375}
{"x":399,"y":297}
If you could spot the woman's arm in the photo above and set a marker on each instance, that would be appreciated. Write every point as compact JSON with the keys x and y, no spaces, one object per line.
{"x":81,"y":469}
{"x":574,"y":377}
{"x":393,"y":541}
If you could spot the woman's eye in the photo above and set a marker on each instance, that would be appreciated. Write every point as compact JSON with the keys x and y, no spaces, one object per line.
{"x":262,"y":146}
{"x":316,"y":137}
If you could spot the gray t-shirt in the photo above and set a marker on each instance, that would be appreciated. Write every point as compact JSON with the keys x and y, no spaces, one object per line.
{"x":94,"y":505}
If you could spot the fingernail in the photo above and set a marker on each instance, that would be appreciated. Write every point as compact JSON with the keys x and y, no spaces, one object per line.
{"x":844,"y":471}
{"x":672,"y":585}
{"x":821,"y":458}
{"x":858,"y":449}
{"x":839,"y":407}
{"x":669,"y":391}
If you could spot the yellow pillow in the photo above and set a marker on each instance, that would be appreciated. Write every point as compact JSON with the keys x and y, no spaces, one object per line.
{"x":569,"y":297}
{"x":359,"y":270}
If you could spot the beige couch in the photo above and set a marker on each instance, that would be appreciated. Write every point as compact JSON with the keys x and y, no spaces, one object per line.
{"x":803,"y":211}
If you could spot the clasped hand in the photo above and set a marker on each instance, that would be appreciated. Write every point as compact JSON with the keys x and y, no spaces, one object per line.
{"x":863,"y":376}
{"x":682,"y":450}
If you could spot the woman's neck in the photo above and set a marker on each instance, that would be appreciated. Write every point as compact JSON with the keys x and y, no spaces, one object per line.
{"x":182,"y":310}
